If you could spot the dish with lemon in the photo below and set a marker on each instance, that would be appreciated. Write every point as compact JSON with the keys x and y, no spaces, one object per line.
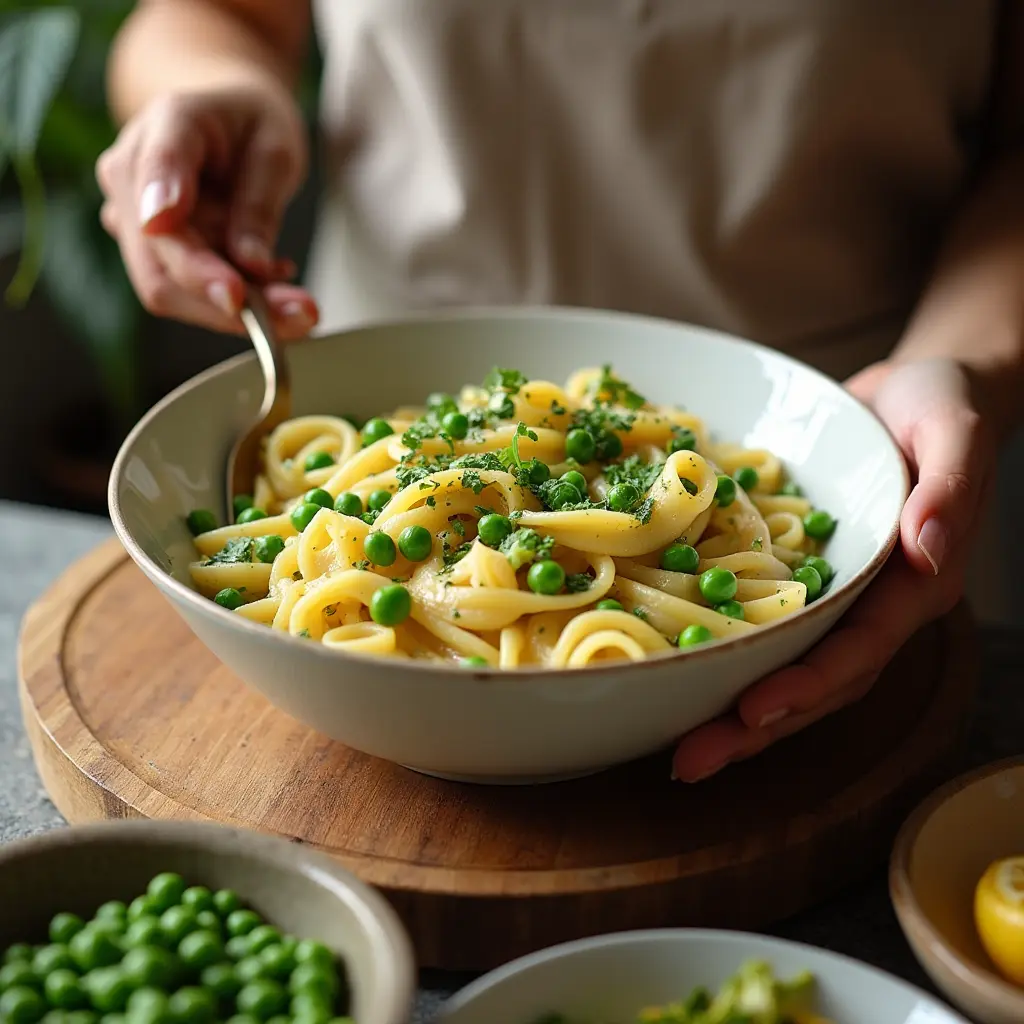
{"x":999,"y":916}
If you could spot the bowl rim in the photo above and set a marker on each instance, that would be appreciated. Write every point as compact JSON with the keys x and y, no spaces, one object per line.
{"x":246,"y":628}
{"x":979,"y":978}
{"x":716,"y":936}
{"x":393,"y":988}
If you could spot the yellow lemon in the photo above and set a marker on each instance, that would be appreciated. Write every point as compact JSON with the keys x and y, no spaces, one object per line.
{"x":999,"y":916}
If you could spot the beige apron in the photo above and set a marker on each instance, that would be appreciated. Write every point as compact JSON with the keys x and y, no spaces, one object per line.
{"x":778,"y":169}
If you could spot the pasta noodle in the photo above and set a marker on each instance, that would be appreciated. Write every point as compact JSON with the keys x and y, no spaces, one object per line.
{"x":520,"y":523}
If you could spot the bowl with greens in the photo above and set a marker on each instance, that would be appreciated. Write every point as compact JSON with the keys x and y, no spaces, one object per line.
{"x":690,"y":976}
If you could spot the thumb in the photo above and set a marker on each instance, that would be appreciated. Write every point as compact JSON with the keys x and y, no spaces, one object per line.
{"x":268,"y":176}
{"x":948,"y":448}
{"x":168,"y":164}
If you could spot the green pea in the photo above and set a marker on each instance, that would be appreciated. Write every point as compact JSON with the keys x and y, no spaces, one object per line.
{"x":201,"y":520}
{"x":92,"y":948}
{"x":680,"y":558}
{"x":192,"y":1006}
{"x":261,"y":936}
{"x":266,"y":550}
{"x":725,"y":492}
{"x":821,"y":567}
{"x":310,"y":1008}
{"x":64,"y":991}
{"x":148,"y":1006}
{"x":108,"y":989}
{"x":791,"y":490}
{"x":208,"y":921}
{"x":579,"y":445}
{"x":376,"y":430}
{"x":221,"y":980}
{"x":811,"y":579}
{"x":683,"y":440}
{"x":622,"y":497}
{"x":302,"y":514}
{"x":311,"y":952}
{"x":262,"y":999}
{"x":243,"y":1018}
{"x":229,"y":598}
{"x":278,"y":961}
{"x":455,"y":425}
{"x":609,"y":446}
{"x":240,"y":502}
{"x":150,"y":967}
{"x":377,"y":500}
{"x":577,"y":479}
{"x":819,"y":524}
{"x":609,"y":604}
{"x":112,"y":909}
{"x":693,"y":635}
{"x":475,"y":661}
{"x":55,"y":1017}
{"x":390,"y":605}
{"x":20,"y":1005}
{"x":19,"y":974}
{"x":237,"y":948}
{"x":251,"y":515}
{"x":144,"y":931}
{"x":493,"y":528}
{"x":538,"y":472}
{"x":730,"y":609}
{"x":241,"y":922}
{"x":165,"y":891}
{"x":318,"y":460}
{"x":226,"y":901}
{"x":318,"y":496}
{"x":113,"y":926}
{"x":22,"y":950}
{"x":200,"y":949}
{"x":317,"y":979}
{"x":563,"y":495}
{"x":141,"y":906}
{"x":64,"y":927}
{"x":177,"y":922}
{"x":380,"y":548}
{"x":546,"y":577}
{"x":415,"y":543}
{"x":747,"y":477}
{"x":250,"y":969}
{"x":52,"y":958}
{"x":281,"y":1019}
{"x":348,"y":504}
{"x":81,"y":1017}
{"x":717,"y":584}
{"x":501,"y":405}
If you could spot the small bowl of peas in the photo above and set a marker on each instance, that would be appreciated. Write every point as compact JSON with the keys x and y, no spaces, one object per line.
{"x":142,"y":922}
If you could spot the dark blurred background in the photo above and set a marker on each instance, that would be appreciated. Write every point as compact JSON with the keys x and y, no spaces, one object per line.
{"x":82,"y":360}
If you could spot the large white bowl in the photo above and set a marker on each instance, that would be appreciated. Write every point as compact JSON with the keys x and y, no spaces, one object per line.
{"x":530,"y":724}
{"x":612,"y":977}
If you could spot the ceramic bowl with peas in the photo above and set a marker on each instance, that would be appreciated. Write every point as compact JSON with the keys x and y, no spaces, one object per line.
{"x":535,"y":722}
{"x":168,"y":923}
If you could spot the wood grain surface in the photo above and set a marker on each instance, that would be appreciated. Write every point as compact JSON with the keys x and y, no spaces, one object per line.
{"x":130,"y":715}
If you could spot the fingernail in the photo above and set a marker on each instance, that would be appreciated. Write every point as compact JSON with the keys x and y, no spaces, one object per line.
{"x":295,"y":311}
{"x":158,"y":196}
{"x":219,"y":294}
{"x":772,"y":717}
{"x":932,"y":542}
{"x":252,"y":249}
{"x":713,"y":770}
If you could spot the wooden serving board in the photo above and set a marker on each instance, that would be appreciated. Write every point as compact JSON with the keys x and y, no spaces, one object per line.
{"x":129,"y":715}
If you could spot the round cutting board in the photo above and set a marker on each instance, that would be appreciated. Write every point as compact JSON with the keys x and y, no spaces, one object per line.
{"x":130,"y":715}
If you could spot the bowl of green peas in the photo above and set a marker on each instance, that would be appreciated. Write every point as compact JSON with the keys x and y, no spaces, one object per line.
{"x":142,"y":922}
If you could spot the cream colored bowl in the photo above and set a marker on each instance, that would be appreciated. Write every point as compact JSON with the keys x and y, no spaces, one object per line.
{"x":530,"y":724}
{"x":299,"y":891}
{"x":940,"y":854}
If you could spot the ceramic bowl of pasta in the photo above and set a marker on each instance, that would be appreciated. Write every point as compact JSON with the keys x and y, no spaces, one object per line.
{"x":690,"y":976}
{"x":513,"y":545}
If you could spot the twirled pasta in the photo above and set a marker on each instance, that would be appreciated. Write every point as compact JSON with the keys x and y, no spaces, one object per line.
{"x":519,"y":524}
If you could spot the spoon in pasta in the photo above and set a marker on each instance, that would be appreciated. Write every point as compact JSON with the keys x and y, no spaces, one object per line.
{"x":244,"y":457}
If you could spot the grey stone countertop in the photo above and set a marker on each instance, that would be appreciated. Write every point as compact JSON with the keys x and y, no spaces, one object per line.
{"x":40,"y":543}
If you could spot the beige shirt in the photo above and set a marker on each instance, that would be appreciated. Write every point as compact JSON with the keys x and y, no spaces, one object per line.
{"x":778,"y":169}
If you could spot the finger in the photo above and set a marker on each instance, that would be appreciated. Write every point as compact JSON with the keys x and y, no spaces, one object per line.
{"x":293,"y":310}
{"x":168,"y":161}
{"x":267,"y":178}
{"x":951,"y":476}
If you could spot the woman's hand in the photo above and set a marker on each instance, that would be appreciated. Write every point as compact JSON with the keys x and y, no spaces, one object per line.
{"x":930,"y":410}
{"x":196,"y":186}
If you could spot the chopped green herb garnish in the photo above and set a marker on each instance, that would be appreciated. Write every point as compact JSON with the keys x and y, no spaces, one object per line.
{"x":507,"y":380}
{"x":524,"y":546}
{"x":238,"y":549}
{"x":577,"y":582}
